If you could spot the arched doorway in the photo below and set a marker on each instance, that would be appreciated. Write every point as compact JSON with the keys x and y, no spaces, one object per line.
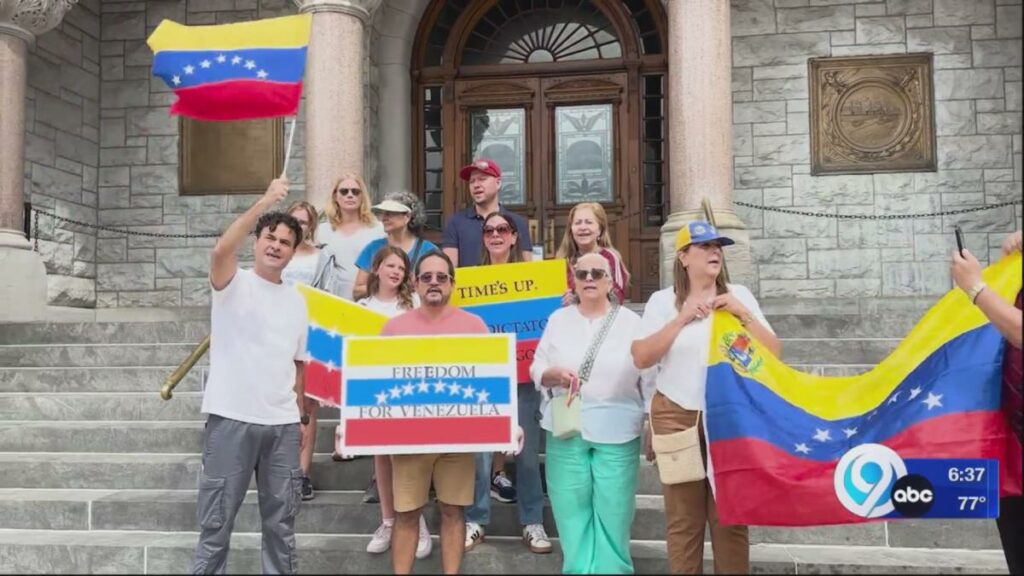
{"x":567,"y":96}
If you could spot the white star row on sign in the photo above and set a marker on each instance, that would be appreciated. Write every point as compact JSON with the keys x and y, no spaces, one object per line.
{"x":423,"y":387}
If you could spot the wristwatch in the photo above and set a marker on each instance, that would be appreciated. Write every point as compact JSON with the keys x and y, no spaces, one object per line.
{"x":973,"y":292}
{"x":304,"y":419}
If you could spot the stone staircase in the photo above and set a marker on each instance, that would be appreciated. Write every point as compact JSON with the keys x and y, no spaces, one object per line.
{"x":99,"y":474}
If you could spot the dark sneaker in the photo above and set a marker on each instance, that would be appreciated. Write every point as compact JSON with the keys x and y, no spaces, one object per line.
{"x":371,"y":496}
{"x":502,"y":489}
{"x":307,"y":488}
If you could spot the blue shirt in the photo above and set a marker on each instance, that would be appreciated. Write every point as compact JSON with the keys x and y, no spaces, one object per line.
{"x":465,"y":231}
{"x":365,"y":260}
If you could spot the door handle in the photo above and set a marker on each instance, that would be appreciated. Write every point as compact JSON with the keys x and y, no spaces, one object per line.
{"x":549,"y":238}
{"x":534,"y":225}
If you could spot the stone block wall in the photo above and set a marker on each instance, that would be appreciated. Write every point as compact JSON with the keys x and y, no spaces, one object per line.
{"x":977,"y":47}
{"x":62,"y":150}
{"x":138,"y":162}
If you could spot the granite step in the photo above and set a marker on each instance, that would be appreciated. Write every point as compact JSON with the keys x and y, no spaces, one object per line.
{"x":795,"y":351}
{"x":342,"y":512}
{"x":51,"y":551}
{"x":79,"y":379}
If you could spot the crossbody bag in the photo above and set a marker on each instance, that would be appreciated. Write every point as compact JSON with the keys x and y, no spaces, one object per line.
{"x":678,"y":454}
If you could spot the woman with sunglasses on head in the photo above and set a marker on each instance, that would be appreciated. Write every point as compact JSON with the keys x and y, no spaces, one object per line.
{"x":350,"y":226}
{"x":403,"y":217}
{"x":593,"y":456}
{"x":390,"y":294}
{"x":587,"y":233}
{"x":501,"y":246}
{"x":676,"y":328}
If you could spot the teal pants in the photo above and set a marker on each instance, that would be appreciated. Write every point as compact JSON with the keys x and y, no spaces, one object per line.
{"x":592,"y":488}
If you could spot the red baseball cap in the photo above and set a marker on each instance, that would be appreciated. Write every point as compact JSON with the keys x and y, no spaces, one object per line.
{"x":482,"y":164}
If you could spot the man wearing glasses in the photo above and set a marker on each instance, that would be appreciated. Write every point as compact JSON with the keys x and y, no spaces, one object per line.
{"x":463,"y":235}
{"x":452,"y":474}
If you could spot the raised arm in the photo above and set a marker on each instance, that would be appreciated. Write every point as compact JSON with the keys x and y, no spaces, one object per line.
{"x":224,"y":258}
{"x":1007,"y":319}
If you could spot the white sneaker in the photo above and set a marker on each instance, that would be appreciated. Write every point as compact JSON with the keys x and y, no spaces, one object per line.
{"x":381,"y":540}
{"x":536,"y":539}
{"x":425,"y":544}
{"x":474,"y":535}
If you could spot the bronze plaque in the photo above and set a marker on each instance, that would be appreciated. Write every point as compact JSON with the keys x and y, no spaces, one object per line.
{"x":872,"y":114}
{"x":229,"y":157}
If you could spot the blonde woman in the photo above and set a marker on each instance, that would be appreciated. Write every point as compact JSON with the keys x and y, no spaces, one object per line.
{"x":586,"y":232}
{"x":350,"y":226}
{"x":675,"y":329}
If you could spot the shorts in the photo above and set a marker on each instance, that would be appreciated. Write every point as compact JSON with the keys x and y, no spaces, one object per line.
{"x":453,"y":476}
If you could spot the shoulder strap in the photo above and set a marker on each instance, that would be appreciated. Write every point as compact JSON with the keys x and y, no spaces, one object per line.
{"x":416,"y":252}
{"x":595,"y":344}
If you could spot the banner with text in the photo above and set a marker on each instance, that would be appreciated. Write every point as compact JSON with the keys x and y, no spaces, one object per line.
{"x":331,"y":320}
{"x":513,"y":299}
{"x":429,"y":394}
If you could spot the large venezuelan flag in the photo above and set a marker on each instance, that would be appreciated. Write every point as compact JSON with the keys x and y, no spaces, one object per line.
{"x":237,"y":71}
{"x":775,"y":435}
{"x":330,"y":320}
{"x":513,"y":298}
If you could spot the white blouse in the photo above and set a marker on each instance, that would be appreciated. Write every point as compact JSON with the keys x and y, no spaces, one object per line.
{"x":301,"y":269}
{"x":389,"y":309}
{"x":346,"y":249}
{"x":614,"y":399}
{"x":682,"y":372}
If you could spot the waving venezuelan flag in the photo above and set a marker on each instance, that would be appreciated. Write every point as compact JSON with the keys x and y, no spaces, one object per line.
{"x":782,"y":432}
{"x":237,"y":71}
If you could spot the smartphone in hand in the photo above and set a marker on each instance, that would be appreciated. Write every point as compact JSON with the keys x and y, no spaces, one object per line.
{"x":959,"y":239}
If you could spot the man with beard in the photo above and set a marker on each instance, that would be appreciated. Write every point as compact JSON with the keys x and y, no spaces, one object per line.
{"x":452,"y":474}
{"x":253,"y":395}
{"x":463,"y":236}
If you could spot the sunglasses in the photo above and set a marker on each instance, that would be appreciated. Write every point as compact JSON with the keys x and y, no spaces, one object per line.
{"x":348,"y":191}
{"x":500,"y":230}
{"x":429,"y":277}
{"x":595,"y":273}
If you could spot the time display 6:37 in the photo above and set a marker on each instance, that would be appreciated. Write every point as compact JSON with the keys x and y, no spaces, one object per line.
{"x":968,"y":474}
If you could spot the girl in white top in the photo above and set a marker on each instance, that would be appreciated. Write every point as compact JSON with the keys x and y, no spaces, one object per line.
{"x":593,"y":474}
{"x":350,"y":226}
{"x":676,"y":330}
{"x":390,"y":293}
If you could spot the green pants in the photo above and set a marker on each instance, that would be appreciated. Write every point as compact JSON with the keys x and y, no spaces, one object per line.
{"x":592,"y":488}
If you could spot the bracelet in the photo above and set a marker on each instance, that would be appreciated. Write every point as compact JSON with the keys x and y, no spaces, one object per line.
{"x":973,"y":292}
{"x":746,"y":319}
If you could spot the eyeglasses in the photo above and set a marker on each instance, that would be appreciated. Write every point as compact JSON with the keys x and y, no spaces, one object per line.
{"x":500,"y":230}
{"x":595,"y":273}
{"x":348,"y":191}
{"x":429,"y":277}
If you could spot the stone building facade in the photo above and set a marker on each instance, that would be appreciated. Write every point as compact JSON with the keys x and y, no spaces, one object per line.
{"x":100,"y":148}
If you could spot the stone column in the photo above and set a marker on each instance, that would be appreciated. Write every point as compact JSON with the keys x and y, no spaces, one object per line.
{"x":23,"y":276}
{"x":334,"y":92}
{"x":700,"y":129}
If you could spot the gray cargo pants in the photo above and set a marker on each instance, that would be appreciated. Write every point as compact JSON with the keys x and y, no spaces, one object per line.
{"x":231,"y":451}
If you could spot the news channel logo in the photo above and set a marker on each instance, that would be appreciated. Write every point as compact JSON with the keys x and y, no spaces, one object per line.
{"x":871,"y":481}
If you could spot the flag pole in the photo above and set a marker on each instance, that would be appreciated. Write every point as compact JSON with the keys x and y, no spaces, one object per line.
{"x":288,"y":150}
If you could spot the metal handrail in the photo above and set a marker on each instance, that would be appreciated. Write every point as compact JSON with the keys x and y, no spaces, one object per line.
{"x":710,"y":215}
{"x":186,"y":365}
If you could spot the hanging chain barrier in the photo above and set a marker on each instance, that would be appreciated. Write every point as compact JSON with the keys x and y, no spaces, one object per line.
{"x":879,"y":216}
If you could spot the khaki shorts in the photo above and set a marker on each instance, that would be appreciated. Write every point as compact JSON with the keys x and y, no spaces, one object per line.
{"x":453,"y":476}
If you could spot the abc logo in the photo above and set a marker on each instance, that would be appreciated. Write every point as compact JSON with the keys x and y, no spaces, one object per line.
{"x":913,"y":495}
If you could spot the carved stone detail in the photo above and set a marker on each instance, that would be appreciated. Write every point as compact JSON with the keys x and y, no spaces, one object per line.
{"x":362,"y":9}
{"x":872,"y":114}
{"x":30,"y":18}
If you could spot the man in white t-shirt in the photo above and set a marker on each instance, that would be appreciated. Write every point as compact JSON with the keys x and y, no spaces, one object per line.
{"x":253,"y":394}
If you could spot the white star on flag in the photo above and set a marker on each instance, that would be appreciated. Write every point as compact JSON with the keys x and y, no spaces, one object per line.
{"x":250,"y":64}
{"x":802,"y":448}
{"x":894,"y":398}
{"x":453,"y":389}
{"x":190,"y":69}
{"x":221,"y":58}
{"x":236,"y":59}
{"x":822,"y":435}
{"x":262,"y":74}
{"x":330,"y":366}
{"x":176,"y":79}
{"x":932,"y":401}
{"x":468,"y":392}
{"x":914,"y":392}
{"x":849,"y":431}
{"x":408,"y":389}
{"x":481,"y":397}
{"x":396,"y":392}
{"x":439,"y":387}
{"x":382,"y":398}
{"x":205,"y":63}
{"x":423,"y":387}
